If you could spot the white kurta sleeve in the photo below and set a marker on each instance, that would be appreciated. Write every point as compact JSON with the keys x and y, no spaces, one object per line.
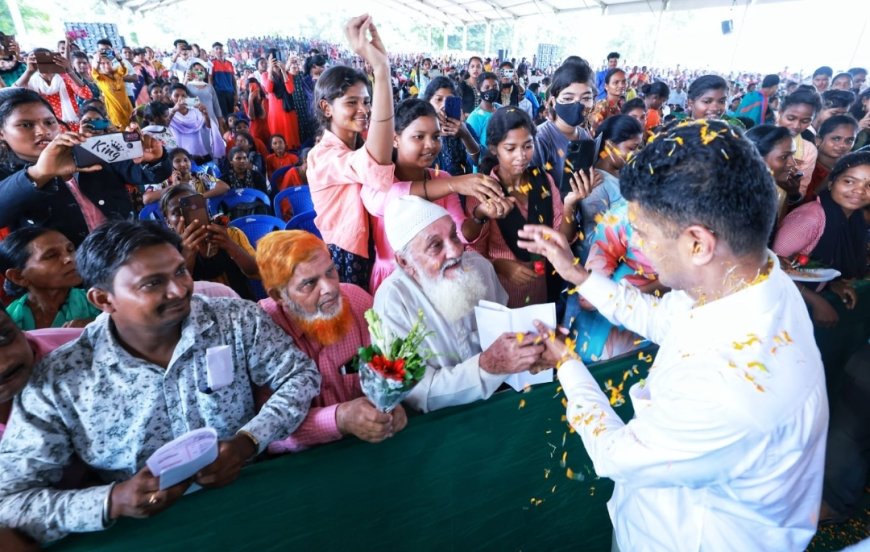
{"x":451,"y":385}
{"x":685,"y":437}
{"x":625,"y":305}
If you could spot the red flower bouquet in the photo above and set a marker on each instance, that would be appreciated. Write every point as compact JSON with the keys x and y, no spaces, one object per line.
{"x":390,"y":367}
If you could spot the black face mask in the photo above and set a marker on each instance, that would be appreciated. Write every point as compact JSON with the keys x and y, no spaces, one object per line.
{"x":571,"y":113}
{"x":490,"y":95}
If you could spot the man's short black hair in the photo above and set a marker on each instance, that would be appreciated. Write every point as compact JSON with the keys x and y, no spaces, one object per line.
{"x":104,"y":42}
{"x":770,"y":80}
{"x":823,"y":70}
{"x":179,"y":41}
{"x":110,"y":246}
{"x":216,"y":44}
{"x":705,"y":172}
{"x":613,"y":55}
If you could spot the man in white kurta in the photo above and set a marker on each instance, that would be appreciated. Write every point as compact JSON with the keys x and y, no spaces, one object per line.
{"x":726,"y":450}
{"x":424,"y":237}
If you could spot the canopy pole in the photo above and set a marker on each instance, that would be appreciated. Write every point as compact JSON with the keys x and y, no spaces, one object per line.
{"x":17,"y":20}
{"x":487,"y":41}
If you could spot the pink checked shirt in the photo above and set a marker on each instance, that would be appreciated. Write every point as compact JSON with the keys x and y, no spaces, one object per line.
{"x":336,"y":175}
{"x":320,"y":425}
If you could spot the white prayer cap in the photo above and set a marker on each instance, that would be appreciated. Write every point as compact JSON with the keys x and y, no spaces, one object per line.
{"x":407,"y":216}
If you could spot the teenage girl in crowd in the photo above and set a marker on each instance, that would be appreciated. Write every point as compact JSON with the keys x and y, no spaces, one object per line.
{"x":534,"y":199}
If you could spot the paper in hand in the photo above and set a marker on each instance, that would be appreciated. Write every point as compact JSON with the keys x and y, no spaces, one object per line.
{"x":494,"y":319}
{"x":184,"y":456}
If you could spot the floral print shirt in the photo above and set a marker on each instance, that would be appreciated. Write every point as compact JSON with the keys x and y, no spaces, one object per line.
{"x":94,"y":399}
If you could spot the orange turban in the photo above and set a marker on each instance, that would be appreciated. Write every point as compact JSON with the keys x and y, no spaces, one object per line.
{"x":279,"y":253}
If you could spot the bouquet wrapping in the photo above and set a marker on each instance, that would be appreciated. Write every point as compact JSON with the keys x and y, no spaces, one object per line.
{"x":391,"y":366}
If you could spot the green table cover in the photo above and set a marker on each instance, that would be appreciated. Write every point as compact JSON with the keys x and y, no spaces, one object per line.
{"x":486,"y":476}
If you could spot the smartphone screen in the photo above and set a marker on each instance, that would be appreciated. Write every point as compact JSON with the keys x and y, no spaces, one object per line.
{"x":453,"y":107}
{"x":193,"y":208}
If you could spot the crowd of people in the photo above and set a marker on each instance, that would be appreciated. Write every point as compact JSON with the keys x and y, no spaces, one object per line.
{"x":649,"y":206}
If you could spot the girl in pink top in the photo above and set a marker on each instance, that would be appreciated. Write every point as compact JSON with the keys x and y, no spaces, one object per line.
{"x":417,"y":144}
{"x":535,"y":199}
{"x":341,"y":164}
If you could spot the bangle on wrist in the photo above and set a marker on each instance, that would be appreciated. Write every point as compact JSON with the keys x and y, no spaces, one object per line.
{"x":107,"y":507}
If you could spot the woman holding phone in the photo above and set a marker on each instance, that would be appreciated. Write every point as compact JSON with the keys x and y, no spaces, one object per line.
{"x":279,"y":86}
{"x":458,"y":146}
{"x":212,"y":252}
{"x":62,"y":88}
{"x":569,"y":100}
{"x":40,"y":183}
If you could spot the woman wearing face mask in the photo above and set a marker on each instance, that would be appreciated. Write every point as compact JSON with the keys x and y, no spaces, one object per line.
{"x":569,"y":99}
{"x":198,"y":86}
{"x":468,"y":88}
{"x":488,"y":87}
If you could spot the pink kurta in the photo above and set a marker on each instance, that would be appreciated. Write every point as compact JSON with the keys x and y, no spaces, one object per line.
{"x":376,"y":203}
{"x":335,"y":388}
{"x":336,"y":175}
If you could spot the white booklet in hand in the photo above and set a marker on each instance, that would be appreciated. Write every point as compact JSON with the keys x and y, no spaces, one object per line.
{"x":184,"y":456}
{"x":494,"y":319}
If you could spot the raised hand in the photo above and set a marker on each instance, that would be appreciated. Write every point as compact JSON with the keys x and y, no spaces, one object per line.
{"x":371,"y":49}
{"x":551,"y":244}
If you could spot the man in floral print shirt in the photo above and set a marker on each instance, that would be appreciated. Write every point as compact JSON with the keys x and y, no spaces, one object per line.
{"x":136,"y":379}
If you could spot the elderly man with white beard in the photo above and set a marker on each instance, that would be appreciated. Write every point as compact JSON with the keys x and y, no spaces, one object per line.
{"x":437,"y":276}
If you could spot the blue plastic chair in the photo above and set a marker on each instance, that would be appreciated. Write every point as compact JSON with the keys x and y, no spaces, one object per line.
{"x":152,"y":212}
{"x":278,"y":175}
{"x":304,"y":221}
{"x":257,"y":226}
{"x":235,"y":197}
{"x":299,"y":197}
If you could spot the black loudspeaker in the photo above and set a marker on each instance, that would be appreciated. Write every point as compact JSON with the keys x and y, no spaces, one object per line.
{"x":727,"y":26}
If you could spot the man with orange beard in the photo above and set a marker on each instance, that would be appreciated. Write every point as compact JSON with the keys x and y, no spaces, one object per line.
{"x":325,"y":319}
